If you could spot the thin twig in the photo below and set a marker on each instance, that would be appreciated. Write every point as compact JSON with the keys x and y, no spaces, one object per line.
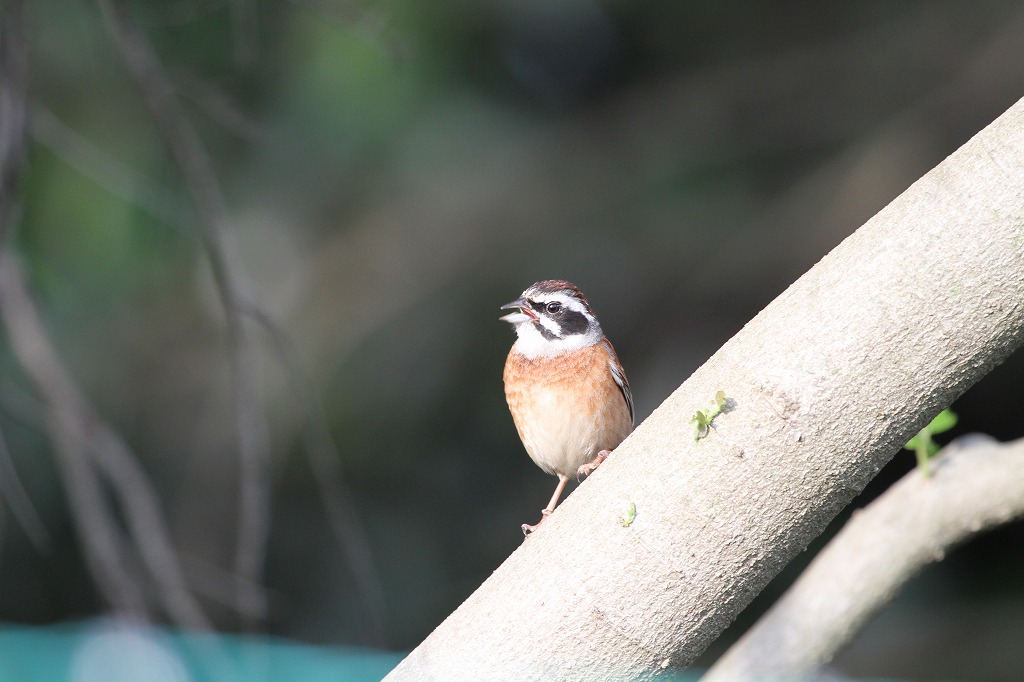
{"x":104,"y":550}
{"x":220,"y":108}
{"x":120,"y":180}
{"x":18,"y":498}
{"x":325,"y":461}
{"x":74,"y":427}
{"x":146,"y":525}
{"x":135,"y":493}
{"x":245,"y":31}
{"x":86,"y":442}
{"x":13,"y":110}
{"x":197,"y":172}
{"x":220,"y":585}
{"x":69,"y":423}
{"x":13,"y":128}
{"x":21,"y":406}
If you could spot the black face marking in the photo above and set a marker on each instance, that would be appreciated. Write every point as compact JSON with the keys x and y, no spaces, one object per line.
{"x":545,"y":332}
{"x":572,"y":322}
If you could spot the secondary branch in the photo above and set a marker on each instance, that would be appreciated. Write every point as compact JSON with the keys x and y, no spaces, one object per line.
{"x":977,"y":484}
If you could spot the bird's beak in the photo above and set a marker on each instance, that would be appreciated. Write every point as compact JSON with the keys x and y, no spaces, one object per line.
{"x":522,"y":313}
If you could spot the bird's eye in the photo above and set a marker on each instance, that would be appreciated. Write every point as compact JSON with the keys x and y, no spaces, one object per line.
{"x":553,"y":307}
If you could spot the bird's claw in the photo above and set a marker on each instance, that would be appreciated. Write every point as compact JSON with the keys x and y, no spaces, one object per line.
{"x":527,"y":528}
{"x":589,"y":467}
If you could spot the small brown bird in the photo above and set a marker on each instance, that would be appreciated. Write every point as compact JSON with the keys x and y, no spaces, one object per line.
{"x":567,"y":391}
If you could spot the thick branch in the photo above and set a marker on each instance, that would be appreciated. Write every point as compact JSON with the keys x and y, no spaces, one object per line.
{"x":825,"y":385}
{"x":977,"y":484}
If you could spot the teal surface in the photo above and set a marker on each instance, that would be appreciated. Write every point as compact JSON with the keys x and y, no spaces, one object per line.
{"x":111,"y":651}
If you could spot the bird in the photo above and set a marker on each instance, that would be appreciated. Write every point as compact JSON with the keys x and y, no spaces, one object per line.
{"x":566,"y":389}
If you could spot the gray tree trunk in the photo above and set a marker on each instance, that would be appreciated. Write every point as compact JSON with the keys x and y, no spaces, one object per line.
{"x":824,"y":386}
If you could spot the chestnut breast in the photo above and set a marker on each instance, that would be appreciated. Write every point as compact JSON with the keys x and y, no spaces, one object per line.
{"x":566,"y":407}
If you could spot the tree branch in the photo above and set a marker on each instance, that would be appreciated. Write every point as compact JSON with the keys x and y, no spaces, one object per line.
{"x":84,"y":440}
{"x":114,"y":176}
{"x":13,"y":132}
{"x":977,"y":484}
{"x":13,"y":109}
{"x":325,"y":462}
{"x":80,"y":437}
{"x":825,"y":384}
{"x":12,"y":490}
{"x":196,"y":168}
{"x":197,"y":172}
{"x":103,"y":546}
{"x":69,"y":422}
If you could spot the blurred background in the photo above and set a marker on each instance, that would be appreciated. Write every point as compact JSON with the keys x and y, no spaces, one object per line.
{"x":267,"y":242}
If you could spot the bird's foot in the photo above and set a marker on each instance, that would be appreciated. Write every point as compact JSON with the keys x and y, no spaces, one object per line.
{"x":527,"y":528}
{"x":589,"y":467}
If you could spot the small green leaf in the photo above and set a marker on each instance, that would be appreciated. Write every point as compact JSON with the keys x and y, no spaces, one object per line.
{"x":943,"y":421}
{"x":627,"y":520}
{"x":914,"y":443}
{"x":702,"y":419}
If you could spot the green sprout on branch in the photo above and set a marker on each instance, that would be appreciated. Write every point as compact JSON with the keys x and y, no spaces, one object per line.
{"x":702,"y":419}
{"x":923,"y":445}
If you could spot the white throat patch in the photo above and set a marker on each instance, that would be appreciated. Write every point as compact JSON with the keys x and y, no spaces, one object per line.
{"x":532,"y":343}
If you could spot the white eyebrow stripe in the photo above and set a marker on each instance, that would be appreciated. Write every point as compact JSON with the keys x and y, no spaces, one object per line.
{"x":570,"y":302}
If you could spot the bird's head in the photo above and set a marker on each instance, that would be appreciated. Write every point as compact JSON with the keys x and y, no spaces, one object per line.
{"x":552,"y":317}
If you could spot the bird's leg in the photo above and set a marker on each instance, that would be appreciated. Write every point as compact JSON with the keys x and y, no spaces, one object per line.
{"x":589,"y":467}
{"x":546,"y":512}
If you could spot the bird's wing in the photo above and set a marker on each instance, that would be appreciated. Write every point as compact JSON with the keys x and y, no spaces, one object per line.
{"x":620,"y":377}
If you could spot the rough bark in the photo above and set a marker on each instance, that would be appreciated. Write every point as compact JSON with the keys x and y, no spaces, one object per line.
{"x":824,"y":386}
{"x":978,"y":484}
